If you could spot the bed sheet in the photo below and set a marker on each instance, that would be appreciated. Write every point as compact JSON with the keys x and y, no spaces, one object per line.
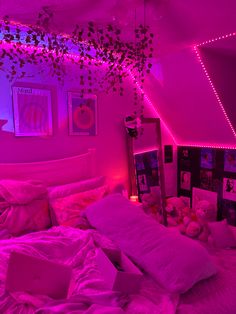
{"x":217,"y":294}
{"x":88,"y":293}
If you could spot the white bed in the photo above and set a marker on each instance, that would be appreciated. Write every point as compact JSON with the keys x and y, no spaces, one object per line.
{"x":70,"y":246}
{"x":78,"y":248}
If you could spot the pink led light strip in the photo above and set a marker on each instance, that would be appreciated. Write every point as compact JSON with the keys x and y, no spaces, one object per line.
{"x":152,"y":106}
{"x":209,"y":78}
{"x":75,"y":56}
{"x":208,"y":146}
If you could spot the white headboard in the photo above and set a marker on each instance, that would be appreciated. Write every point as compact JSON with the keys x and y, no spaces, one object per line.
{"x":53,"y":172}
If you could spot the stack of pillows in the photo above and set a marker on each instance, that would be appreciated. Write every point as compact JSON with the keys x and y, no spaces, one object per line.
{"x":28,"y":206}
{"x":67,"y":202}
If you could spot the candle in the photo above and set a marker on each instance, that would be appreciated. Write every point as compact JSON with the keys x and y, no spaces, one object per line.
{"x":134,"y":198}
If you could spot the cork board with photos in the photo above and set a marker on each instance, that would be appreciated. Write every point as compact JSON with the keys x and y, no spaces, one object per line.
{"x":209,"y":169}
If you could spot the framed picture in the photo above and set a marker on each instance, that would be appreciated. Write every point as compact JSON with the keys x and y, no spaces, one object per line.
{"x":206,"y":181}
{"x":185,"y":180}
{"x":146,"y":165}
{"x":82,"y":114}
{"x":230,"y":160}
{"x":207,"y":158}
{"x":229,"y":189}
{"x":32,"y":111}
{"x":168,"y":153}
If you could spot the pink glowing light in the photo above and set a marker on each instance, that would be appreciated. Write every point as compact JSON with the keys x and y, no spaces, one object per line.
{"x":215,"y":39}
{"x":209,"y":78}
{"x":220,"y":146}
{"x":146,"y":150}
{"x":151,"y":105}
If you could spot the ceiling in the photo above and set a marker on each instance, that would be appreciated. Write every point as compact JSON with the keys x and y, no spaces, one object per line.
{"x":178,"y":25}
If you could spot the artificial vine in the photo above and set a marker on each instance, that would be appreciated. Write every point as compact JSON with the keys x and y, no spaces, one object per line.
{"x":104,"y":59}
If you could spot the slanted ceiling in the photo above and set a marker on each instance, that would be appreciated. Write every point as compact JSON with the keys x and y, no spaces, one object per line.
{"x":180,"y":90}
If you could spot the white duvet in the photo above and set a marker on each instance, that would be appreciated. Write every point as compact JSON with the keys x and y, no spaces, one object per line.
{"x":215,"y":295}
{"x":88,"y":294}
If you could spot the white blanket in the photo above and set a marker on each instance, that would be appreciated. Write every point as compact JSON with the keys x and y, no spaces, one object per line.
{"x":89,"y":294}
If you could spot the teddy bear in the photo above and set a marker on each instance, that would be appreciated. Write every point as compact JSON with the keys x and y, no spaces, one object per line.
{"x":151,"y":203}
{"x":176,"y":208}
{"x":196,"y":226}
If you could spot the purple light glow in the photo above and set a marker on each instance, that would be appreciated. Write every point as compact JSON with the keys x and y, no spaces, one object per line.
{"x":73,"y":57}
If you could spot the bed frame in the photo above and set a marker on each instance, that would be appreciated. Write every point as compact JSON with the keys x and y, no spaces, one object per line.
{"x":53,"y":172}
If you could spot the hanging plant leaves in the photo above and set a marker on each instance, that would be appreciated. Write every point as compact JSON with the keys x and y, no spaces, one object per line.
{"x":94,"y":46}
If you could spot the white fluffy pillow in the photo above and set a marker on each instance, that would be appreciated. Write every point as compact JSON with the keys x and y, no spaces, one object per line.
{"x":222,"y":235}
{"x":174,"y":261}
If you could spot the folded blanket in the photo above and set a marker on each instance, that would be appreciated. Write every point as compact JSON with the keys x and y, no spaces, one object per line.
{"x":23,"y":207}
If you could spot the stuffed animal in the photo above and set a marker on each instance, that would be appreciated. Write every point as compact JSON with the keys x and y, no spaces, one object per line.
{"x":176,"y":209}
{"x":196,"y":226}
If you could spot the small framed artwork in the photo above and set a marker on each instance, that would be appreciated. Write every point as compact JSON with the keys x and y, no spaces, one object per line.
{"x":142,"y":182}
{"x":185,"y":180}
{"x":168,"y":153}
{"x":146,"y":165}
{"x":206,"y":179}
{"x":229,"y":189}
{"x":32,"y":111}
{"x":207,"y":158}
{"x":230,"y":160}
{"x":82,"y":114}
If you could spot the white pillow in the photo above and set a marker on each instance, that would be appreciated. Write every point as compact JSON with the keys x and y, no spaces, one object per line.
{"x":75,"y":187}
{"x":222,"y":235}
{"x":174,"y":261}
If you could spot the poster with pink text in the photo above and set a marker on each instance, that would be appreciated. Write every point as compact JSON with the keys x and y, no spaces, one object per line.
{"x":32,"y":111}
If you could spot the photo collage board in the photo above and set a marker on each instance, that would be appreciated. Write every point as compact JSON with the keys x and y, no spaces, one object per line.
{"x":147,"y":176}
{"x":212,"y":170}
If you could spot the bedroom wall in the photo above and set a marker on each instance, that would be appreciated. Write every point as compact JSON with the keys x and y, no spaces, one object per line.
{"x":110,"y":141}
{"x":187,"y":103}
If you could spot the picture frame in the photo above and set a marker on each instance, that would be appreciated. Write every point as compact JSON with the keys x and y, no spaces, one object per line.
{"x":32,"y":109}
{"x":185,"y":180}
{"x":229,"y":189}
{"x":146,"y":165}
{"x":207,"y":158}
{"x":82,"y":114}
{"x":230,"y":160}
{"x":168,"y":153}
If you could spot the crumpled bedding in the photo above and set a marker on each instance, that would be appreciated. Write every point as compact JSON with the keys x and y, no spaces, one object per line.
{"x":217,"y":294}
{"x":23,"y":207}
{"x":88,"y":293}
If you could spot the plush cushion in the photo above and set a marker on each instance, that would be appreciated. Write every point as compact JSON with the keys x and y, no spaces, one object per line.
{"x":222,"y":235}
{"x":23,"y":207}
{"x":174,"y":261}
{"x":75,"y":187}
{"x":68,"y":210}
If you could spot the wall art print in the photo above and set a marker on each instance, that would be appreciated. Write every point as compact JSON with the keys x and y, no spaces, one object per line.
{"x":185,"y":180}
{"x":82,"y":114}
{"x":146,"y":165}
{"x":32,"y":111}
{"x":206,"y":181}
{"x":229,"y":189}
{"x":207,"y":158}
{"x":230,"y":160}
